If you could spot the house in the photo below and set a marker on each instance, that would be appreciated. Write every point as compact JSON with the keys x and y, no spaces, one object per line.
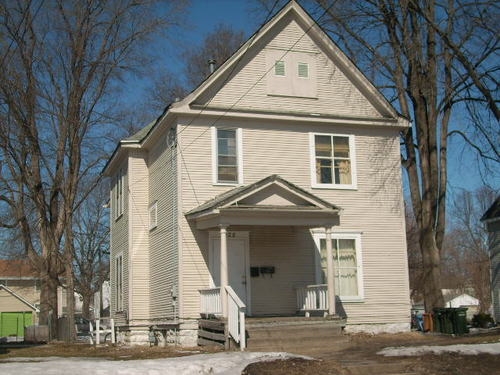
{"x":19,"y":298}
{"x":491,"y":218}
{"x":273,"y":189}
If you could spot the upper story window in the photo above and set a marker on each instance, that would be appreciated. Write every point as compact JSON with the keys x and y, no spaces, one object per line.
{"x":227,"y":160}
{"x":303,"y":70}
{"x":118,"y":196}
{"x":347,"y":264}
{"x":279,"y":68}
{"x":332,"y":161}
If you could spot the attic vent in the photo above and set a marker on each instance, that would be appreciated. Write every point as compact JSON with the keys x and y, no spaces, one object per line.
{"x":279,"y":68}
{"x":303,"y":70}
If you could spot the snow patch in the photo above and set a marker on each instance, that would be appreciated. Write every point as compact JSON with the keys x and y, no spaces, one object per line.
{"x":227,"y":363}
{"x":472,"y":349}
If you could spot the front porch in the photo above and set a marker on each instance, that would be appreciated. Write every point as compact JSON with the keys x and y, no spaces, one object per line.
{"x":261,"y":257}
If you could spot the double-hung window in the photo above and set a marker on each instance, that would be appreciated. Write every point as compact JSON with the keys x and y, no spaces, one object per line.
{"x":119,"y":282}
{"x":118,"y":198}
{"x":153,"y":215}
{"x":332,"y":160}
{"x":346,"y":249}
{"x":227,"y":161}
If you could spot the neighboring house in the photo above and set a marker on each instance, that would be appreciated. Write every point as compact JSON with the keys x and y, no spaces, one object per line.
{"x":492,"y":220}
{"x":19,"y":298}
{"x":241,"y":184}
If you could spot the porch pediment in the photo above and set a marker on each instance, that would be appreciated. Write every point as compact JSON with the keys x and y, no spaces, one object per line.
{"x":271,"y":201}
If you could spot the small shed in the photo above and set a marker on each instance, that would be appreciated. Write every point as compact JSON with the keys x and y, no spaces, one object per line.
{"x":16,"y":313}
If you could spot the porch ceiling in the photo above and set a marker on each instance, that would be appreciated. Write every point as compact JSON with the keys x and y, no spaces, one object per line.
{"x":271,"y":201}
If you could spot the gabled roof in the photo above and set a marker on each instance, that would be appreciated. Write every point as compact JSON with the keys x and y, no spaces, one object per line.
{"x":20,"y":298}
{"x":493,"y":213}
{"x":236,"y":195}
{"x":17,"y":269}
{"x":298,"y":13}
{"x":272,"y":201}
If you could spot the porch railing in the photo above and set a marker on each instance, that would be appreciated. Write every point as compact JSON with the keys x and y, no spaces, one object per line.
{"x":312,"y":298}
{"x":236,"y":318}
{"x":210,"y":302}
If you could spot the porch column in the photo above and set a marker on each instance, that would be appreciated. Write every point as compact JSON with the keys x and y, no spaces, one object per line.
{"x":223,"y":269}
{"x":330,"y":275}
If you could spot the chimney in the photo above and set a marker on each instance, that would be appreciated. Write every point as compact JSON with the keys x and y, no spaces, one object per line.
{"x":211,"y":65}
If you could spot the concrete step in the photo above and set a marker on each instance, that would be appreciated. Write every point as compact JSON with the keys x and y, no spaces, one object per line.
{"x":292,"y":334}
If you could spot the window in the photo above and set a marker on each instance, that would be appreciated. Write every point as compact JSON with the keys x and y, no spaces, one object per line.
{"x":118,"y":194}
{"x":119,"y":282}
{"x":279,"y":68}
{"x":227,"y":156}
{"x":346,"y":249}
{"x":153,"y":215}
{"x":303,"y":70}
{"x":333,"y":161}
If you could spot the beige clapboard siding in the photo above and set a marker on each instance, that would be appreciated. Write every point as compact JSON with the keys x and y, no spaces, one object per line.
{"x":247,"y":88}
{"x":374,"y":209}
{"x":138,"y":190}
{"x":163,"y":248}
{"x":119,"y":245}
{"x":289,"y":250}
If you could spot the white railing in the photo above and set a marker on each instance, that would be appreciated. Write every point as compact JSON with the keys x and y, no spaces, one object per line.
{"x":236,"y":318}
{"x":210,"y":302}
{"x":312,"y":298}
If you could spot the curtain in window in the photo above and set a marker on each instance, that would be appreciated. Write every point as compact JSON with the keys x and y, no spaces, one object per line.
{"x":345,"y":264}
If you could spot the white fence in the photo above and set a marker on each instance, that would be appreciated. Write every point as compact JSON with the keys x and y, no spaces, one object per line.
{"x":103,"y":332}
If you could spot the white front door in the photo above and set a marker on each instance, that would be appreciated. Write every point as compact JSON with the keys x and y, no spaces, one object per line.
{"x":237,"y":254}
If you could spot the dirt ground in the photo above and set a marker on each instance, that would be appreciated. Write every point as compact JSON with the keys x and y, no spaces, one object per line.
{"x":356,"y":355}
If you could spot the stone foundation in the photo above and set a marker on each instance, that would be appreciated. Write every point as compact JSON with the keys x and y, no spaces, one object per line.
{"x":377,"y":328}
{"x":186,"y":335}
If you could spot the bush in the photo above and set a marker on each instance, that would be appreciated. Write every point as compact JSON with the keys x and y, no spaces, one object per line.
{"x":482,"y":320}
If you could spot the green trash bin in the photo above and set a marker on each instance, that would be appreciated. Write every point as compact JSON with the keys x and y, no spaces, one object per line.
{"x":459,"y":319}
{"x":438,"y":319}
{"x":443,"y":320}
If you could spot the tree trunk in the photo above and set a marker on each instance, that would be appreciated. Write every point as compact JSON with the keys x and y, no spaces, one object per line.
{"x":48,"y":303}
{"x":70,"y":301}
{"x":431,"y":259}
{"x":87,"y":299}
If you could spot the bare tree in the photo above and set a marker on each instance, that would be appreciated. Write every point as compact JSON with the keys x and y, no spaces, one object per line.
{"x":62,"y":66}
{"x":91,"y":258}
{"x":219,"y":45}
{"x":432,"y":59}
{"x":471,"y":241}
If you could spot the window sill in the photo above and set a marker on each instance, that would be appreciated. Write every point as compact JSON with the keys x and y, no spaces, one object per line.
{"x":334,"y":187}
{"x":227,"y":183}
{"x":352,"y":299}
{"x":118,"y":217}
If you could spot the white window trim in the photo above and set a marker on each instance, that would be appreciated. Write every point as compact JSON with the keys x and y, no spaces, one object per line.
{"x":356,"y":236}
{"x":239,"y":156}
{"x":119,"y":306}
{"x":312,"y":159}
{"x":153,"y":215}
